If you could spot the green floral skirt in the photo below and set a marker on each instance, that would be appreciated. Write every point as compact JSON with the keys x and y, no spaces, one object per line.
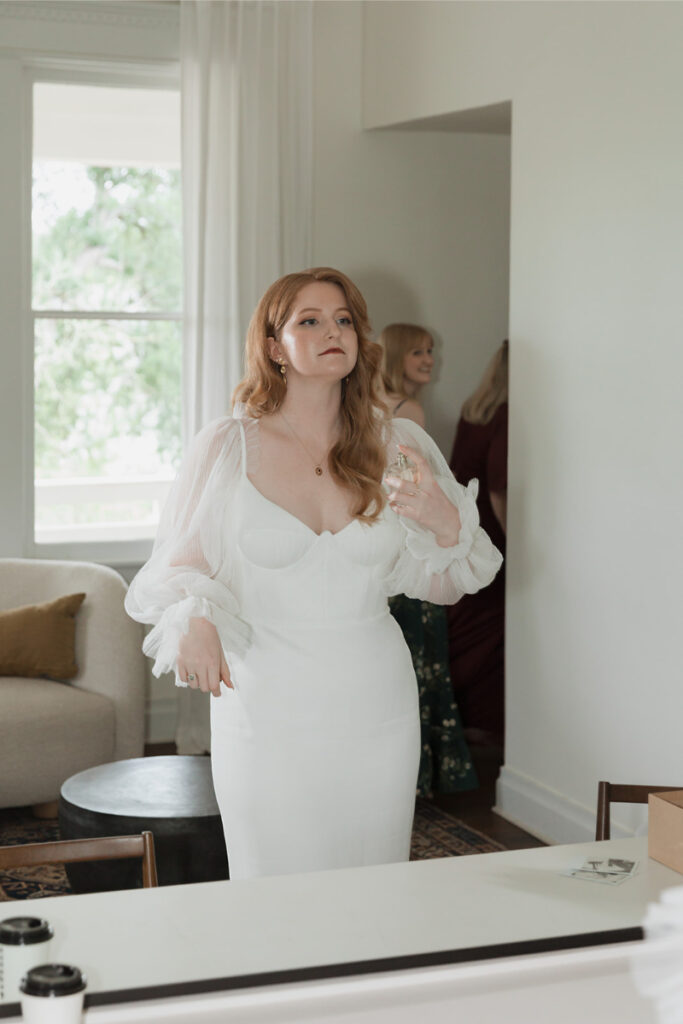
{"x":445,"y":763}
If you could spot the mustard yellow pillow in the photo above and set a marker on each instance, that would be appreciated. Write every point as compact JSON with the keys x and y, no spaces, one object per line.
{"x":38,"y":639}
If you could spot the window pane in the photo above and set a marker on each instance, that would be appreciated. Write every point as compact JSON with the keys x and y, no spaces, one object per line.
{"x":106,"y":238}
{"x":107,"y":426}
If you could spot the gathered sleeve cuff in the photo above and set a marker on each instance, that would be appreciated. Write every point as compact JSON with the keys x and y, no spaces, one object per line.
{"x":162,"y":642}
{"x":424,"y":569}
{"x":188,"y":573}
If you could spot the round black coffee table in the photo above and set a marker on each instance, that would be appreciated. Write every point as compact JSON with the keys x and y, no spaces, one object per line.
{"x":172,"y":797}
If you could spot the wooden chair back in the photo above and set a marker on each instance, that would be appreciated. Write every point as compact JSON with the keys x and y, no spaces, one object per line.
{"x":615,"y":793}
{"x":72,"y":851}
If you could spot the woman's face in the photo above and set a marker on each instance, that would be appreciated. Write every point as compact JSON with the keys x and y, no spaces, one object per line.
{"x":318,"y":339}
{"x":419,"y":362}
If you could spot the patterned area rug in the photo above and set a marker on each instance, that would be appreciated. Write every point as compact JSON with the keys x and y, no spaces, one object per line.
{"x":17,"y":825}
{"x":439,"y":834}
{"x":435,"y":834}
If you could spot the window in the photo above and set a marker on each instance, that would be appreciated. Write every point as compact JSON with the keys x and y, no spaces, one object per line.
{"x":106,"y":309}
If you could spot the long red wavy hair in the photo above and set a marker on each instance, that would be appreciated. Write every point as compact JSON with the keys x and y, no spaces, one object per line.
{"x":358,"y":459}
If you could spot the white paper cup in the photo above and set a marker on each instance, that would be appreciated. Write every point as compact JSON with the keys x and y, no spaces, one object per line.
{"x":53,"y":994}
{"x":24,"y":942}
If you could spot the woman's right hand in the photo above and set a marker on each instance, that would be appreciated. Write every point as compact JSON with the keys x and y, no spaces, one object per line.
{"x":201,"y":657}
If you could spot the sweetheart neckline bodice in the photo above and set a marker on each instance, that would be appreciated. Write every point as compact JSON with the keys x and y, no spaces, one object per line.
{"x":295,"y":518}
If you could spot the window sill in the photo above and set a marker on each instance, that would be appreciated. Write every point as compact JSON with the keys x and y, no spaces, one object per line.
{"x":114,"y":552}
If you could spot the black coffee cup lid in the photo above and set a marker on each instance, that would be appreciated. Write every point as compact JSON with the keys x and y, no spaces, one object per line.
{"x":24,"y":931}
{"x":52,"y":980}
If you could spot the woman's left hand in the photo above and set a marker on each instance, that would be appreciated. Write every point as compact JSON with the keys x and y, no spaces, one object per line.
{"x":423,"y":501}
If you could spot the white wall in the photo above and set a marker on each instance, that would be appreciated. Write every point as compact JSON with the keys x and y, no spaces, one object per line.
{"x":596,"y":488}
{"x":420,"y":220}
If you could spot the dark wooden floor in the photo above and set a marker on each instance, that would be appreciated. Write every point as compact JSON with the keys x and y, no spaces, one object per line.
{"x":473,"y":808}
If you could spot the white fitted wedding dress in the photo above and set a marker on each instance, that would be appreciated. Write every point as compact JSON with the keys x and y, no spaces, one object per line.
{"x":315,"y":751}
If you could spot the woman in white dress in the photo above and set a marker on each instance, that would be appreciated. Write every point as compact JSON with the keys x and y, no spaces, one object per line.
{"x":269,"y":581}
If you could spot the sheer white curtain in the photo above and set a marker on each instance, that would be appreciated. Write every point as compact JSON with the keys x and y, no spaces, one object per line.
{"x":246,"y":72}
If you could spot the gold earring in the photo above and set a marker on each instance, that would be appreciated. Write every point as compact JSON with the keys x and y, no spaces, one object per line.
{"x":283,"y":371}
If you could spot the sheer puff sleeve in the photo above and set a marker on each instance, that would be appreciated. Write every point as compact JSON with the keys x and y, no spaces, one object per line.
{"x":187,"y":575}
{"x":422,"y":568}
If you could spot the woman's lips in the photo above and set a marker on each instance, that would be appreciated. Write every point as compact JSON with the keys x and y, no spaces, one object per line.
{"x":328,"y":351}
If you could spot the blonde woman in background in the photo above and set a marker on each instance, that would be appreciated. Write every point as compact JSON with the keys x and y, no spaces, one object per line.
{"x":445,"y":762}
{"x":476,"y":628}
{"x":407,"y":365}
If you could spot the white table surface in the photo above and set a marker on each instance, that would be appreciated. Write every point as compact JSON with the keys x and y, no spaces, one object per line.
{"x":174,"y":934}
{"x":588,"y":986}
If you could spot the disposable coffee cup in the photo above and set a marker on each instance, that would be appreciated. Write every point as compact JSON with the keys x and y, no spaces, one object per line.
{"x":53,"y":994}
{"x":24,"y":942}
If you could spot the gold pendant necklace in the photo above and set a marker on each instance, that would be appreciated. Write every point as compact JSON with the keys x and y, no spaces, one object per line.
{"x":316,"y":465}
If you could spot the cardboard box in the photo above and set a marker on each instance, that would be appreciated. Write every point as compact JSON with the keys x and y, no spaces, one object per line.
{"x":665,"y":828}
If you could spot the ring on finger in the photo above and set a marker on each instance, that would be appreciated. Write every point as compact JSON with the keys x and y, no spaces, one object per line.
{"x":191,"y":677}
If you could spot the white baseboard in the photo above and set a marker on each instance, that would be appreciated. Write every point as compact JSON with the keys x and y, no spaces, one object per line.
{"x":161,"y":718}
{"x":546,"y":813}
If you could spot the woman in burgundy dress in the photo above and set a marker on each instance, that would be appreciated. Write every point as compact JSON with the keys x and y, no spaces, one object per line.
{"x":476,"y":625}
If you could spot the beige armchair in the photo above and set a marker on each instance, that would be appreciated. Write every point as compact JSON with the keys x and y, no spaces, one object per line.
{"x":50,"y":730}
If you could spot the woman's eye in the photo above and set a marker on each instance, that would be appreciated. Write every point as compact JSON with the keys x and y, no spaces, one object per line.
{"x":309,"y":320}
{"x":346,"y":320}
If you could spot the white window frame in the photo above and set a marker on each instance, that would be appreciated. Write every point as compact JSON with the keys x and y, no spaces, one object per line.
{"x":72,"y":71}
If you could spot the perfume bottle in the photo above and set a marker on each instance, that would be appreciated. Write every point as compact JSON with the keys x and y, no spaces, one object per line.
{"x":402,"y":467}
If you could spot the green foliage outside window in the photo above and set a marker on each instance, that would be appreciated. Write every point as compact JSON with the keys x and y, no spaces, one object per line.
{"x":107,"y":398}
{"x":107,"y":393}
